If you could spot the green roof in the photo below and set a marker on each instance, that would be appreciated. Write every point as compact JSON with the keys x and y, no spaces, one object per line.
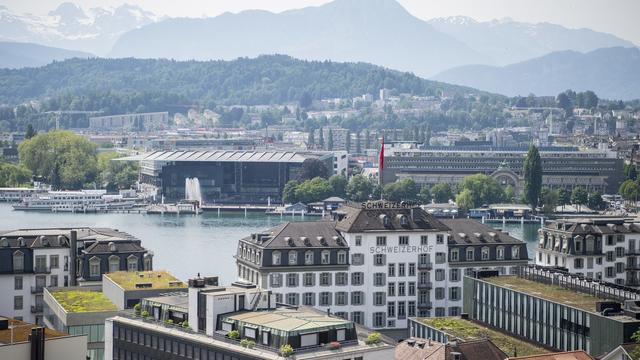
{"x":289,"y":320}
{"x":546,"y":291}
{"x":80,"y":300}
{"x":141,"y":280}
{"x":467,"y":330}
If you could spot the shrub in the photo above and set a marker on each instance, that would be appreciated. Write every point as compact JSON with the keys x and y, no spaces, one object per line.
{"x":234,"y":334}
{"x":185,"y":324}
{"x":247,"y":343}
{"x":334,"y":345}
{"x":137,"y":307}
{"x":145,"y":314}
{"x":169,"y":321}
{"x":286,"y":350}
{"x":373,"y":338}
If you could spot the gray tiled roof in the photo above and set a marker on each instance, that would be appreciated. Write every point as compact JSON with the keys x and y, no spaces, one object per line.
{"x":315,"y":232}
{"x":476,"y":233}
{"x":226,"y":155}
{"x":357,"y":219}
{"x":122,"y":246}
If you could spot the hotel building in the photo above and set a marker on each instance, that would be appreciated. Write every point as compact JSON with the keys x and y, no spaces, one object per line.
{"x":376,"y":264}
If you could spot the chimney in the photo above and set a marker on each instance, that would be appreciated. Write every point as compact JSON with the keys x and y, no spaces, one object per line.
{"x":455,"y":355}
{"x":73,"y":252}
{"x":37,"y":343}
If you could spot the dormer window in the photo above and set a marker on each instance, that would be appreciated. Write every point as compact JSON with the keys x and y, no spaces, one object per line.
{"x":308,"y":257}
{"x":515,"y":252}
{"x":500,"y":253}
{"x":114,"y":263}
{"x":18,"y":261}
{"x":342,"y":257}
{"x":275,"y":258}
{"x":112,"y":246}
{"x":385,"y":220}
{"x":404,"y":220}
{"x":293,"y":257}
{"x":325,"y":257}
{"x":485,"y":253}
{"x":132,"y":263}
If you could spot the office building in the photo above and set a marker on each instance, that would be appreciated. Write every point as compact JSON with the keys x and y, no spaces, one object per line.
{"x":601,"y":248}
{"x":377,"y":263}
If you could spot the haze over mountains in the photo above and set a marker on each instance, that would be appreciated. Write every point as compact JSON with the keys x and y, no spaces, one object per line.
{"x":18,"y":55}
{"x":612,"y":73}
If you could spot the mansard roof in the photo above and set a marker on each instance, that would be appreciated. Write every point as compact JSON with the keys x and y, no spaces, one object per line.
{"x":358,"y":218}
{"x":300,"y":234}
{"x":472,"y":232}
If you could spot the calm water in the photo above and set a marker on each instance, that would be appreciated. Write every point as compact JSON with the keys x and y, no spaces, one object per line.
{"x":186,"y":244}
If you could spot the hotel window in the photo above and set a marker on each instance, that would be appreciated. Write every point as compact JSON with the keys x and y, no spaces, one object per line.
{"x":402,"y":289}
{"x":17,"y":302}
{"x":619,"y":267}
{"x":424,"y":240}
{"x":357,"y":317}
{"x":325,"y":298}
{"x":610,"y":240}
{"x":292,"y":298}
{"x":18,"y":261}
{"x":276,"y":280}
{"x":391,"y":309}
{"x":515,"y":253}
{"x":610,"y":256}
{"x":412,"y":288}
{"x":342,"y":279}
{"x":610,"y":271}
{"x":275,"y":258}
{"x":309,"y":299}
{"x":54,"y":261}
{"x":381,"y":241}
{"x":292,"y":280}
{"x":619,"y":251}
{"x":325,"y":257}
{"x":379,"y":279}
{"x":578,"y":245}
{"x":468,"y":271}
{"x":379,"y":259}
{"x":403,"y":240}
{"x":357,"y":278}
{"x":578,"y":263}
{"x":423,"y":259}
{"x":620,"y":238}
{"x":439,"y":293}
{"x":357,"y":298}
{"x":439,"y":274}
{"x":94,"y":267}
{"x":500,"y":253}
{"x":441,"y":258}
{"x":412,"y":309}
{"x":325,"y":279}
{"x":379,"y":298}
{"x":308,"y":257}
{"x":391,"y":289}
{"x":342,"y":257}
{"x":391,"y":270}
{"x":379,"y":319}
{"x":132,"y":263}
{"x":358,"y":240}
{"x":470,"y":255}
{"x":454,"y":293}
{"x":357,"y":259}
{"x":439,"y":239}
{"x":17,"y":283}
{"x":485,"y":253}
{"x":402,"y":314}
{"x":401,"y":269}
{"x":412,"y":269}
{"x":454,"y":275}
{"x":454,"y":254}
{"x":454,"y":311}
{"x":341,"y":298}
{"x":308,"y":279}
{"x":293,"y":257}
{"x":114,"y":263}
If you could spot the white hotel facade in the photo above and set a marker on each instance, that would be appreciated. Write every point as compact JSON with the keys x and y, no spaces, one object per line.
{"x":376,"y":264}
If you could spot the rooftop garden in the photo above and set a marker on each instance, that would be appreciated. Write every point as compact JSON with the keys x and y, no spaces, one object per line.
{"x":466,"y":330}
{"x":77,"y":301}
{"x":547,"y":291}
{"x":140,"y":280}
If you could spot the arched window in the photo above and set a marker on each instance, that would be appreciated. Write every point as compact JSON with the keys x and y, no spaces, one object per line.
{"x":148,"y":262}
{"x":325,"y":257}
{"x":114,"y":263}
{"x":515,"y":252}
{"x":275,"y":258}
{"x":132,"y":263}
{"x":342,"y":257}
{"x":293,"y":257}
{"x":258,"y":257}
{"x":500,"y":253}
{"x":18,"y":261}
{"x":308,"y":257}
{"x":94,"y":267}
{"x":485,"y":253}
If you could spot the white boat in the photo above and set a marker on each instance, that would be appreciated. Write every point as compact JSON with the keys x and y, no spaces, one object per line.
{"x":72,"y":201}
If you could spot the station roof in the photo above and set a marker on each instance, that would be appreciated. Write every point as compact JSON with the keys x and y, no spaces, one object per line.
{"x":226,"y":156}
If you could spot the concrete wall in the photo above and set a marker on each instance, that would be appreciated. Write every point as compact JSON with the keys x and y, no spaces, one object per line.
{"x":113,"y":292}
{"x":108,"y":339}
{"x":62,"y":348}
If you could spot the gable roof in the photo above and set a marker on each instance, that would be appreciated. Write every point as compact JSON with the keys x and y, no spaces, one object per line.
{"x":567,"y":355}
{"x":483,"y":349}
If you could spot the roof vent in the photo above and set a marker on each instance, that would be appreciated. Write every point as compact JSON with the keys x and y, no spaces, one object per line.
{"x":4,"y":242}
{"x":323,"y":241}
{"x":462,"y":235}
{"x":112,"y":246}
{"x":385,"y":220}
{"x":305,"y":240}
{"x":21,"y":241}
{"x":290,"y":241}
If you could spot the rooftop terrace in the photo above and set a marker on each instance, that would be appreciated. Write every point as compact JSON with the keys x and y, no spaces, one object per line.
{"x":546,"y":291}
{"x":81,"y":300}
{"x":141,"y":280}
{"x":290,"y":320}
{"x":467,"y":330}
{"x":21,"y":331}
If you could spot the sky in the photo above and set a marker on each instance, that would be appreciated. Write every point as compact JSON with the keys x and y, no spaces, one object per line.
{"x":618,"y":17}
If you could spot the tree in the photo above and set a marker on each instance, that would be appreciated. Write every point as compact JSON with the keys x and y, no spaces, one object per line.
{"x":359,"y":188}
{"x":549,"y":199}
{"x":465,"y":200}
{"x":116,"y":175}
{"x":427,"y":135}
{"x":338,"y":185}
{"x":441,"y":192}
{"x":631,"y":172}
{"x":564,"y":197}
{"x":63,"y":158}
{"x":400,"y":190}
{"x":13,"y":175}
{"x":595,"y":201}
{"x":321,"y":138}
{"x":629,"y":190}
{"x":564,"y":102}
{"x":532,"y":177}
{"x":311,"y":140}
{"x":30,"y":132}
{"x":509,"y":194}
{"x":579,"y":197}
{"x":347,"y":141}
{"x":289,"y":192}
{"x":483,"y":188}
{"x":330,"y":140}
{"x":313,"y":190}
{"x":358,"y":144}
{"x":367,"y":139}
{"x":312,"y":168}
{"x":305,"y":100}
{"x":425,"y":195}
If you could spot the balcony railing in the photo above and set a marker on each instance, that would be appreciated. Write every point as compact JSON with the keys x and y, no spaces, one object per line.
{"x":36,"y":289}
{"x":36,"y":309}
{"x":426,"y":285}
{"x":425,"y":305}
{"x":425,"y":265}
{"x":41,"y":269}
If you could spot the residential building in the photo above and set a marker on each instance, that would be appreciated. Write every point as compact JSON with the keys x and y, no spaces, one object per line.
{"x":415,"y":348}
{"x":565,"y":355}
{"x":561,"y":311}
{"x":32,"y":259}
{"x":600,"y":248}
{"x":25,"y":341}
{"x":376,"y":263}
{"x":563,"y":167}
{"x":623,"y":352}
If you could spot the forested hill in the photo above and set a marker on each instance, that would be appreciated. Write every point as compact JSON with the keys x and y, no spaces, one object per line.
{"x":262,"y":80}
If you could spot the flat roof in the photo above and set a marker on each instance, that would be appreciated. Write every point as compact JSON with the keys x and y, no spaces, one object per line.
{"x":289,"y":320}
{"x":21,"y":331}
{"x":82,"y":300}
{"x":176,"y":301}
{"x":226,"y":156}
{"x":157,"y":279}
{"x":467,"y":330}
{"x":546,"y":291}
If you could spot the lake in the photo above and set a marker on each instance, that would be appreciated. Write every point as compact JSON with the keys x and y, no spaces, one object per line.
{"x":188,"y":244}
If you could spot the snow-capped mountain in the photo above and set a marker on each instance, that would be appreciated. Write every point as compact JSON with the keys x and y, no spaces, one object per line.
{"x":69,"y":26}
{"x":506,"y":41}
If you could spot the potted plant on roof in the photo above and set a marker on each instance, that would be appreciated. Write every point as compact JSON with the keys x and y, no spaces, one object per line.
{"x":373,"y":338}
{"x":248,"y":343}
{"x":145,"y":314}
{"x":286,"y":350}
{"x":233,"y":334}
{"x":335,"y":345}
{"x":136,"y":308}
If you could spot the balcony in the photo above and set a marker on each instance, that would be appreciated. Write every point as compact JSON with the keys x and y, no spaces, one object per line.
{"x":36,"y":309}
{"x":42,"y":269}
{"x":425,"y":266}
{"x":425,"y":305}
{"x":427,"y":285}
{"x":37,"y":289}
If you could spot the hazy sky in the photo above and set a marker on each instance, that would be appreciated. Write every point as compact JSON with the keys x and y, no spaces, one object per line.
{"x":619,"y":17}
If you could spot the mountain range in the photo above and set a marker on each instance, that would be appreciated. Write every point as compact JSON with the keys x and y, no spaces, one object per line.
{"x":612,"y":73}
{"x":17,"y":55}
